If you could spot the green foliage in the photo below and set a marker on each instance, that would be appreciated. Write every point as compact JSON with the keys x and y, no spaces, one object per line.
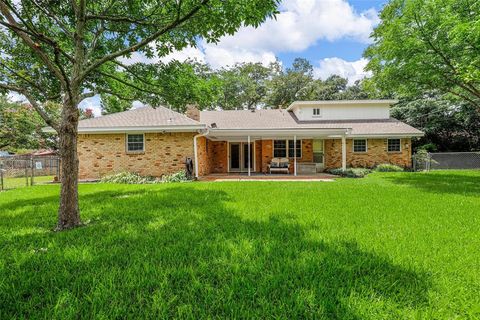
{"x":180,"y":176}
{"x":286,"y":84}
{"x":134,"y":178}
{"x":389,"y":246}
{"x":21,"y":128}
{"x":127,"y":178}
{"x":350,"y":172}
{"x":448,"y":125}
{"x":387,"y":167}
{"x":427,"y":45}
{"x":332,"y":88}
{"x":243,"y":86}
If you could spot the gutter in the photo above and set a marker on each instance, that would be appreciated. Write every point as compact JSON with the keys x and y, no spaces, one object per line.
{"x":99,"y":130}
{"x":195,"y":151}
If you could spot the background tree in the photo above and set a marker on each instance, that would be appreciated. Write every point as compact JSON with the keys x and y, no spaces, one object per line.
{"x":244,"y":86}
{"x":21,"y":128}
{"x":423,"y":45}
{"x":448,"y":125}
{"x":66,"y":51}
{"x":284,"y":85}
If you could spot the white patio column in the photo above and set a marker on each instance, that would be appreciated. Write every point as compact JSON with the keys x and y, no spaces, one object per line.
{"x":249,"y":156}
{"x":294,"y":155}
{"x":344,"y":153}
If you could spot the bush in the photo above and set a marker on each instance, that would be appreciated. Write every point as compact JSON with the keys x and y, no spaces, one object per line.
{"x":135,"y":178}
{"x":351,"y":172}
{"x":386,"y":167}
{"x":180,"y":176}
{"x":127,"y":178}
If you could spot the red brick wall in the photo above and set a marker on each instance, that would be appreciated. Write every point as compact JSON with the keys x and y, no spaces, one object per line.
{"x":102,"y":154}
{"x":376,"y":154}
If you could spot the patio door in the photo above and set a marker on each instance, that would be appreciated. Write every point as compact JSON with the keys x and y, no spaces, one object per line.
{"x":238,"y":156}
{"x":318,"y":154}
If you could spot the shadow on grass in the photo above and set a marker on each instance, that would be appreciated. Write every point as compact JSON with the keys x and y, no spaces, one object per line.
{"x":183,"y":252}
{"x":440,"y":182}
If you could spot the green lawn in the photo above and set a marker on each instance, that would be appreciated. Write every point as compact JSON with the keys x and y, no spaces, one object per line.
{"x":11,"y":183}
{"x":394,"y":245}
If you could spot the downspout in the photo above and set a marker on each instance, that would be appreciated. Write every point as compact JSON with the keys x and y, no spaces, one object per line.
{"x":195,"y":152}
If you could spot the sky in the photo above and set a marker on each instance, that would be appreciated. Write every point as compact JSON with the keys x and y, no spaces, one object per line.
{"x":331,"y":34}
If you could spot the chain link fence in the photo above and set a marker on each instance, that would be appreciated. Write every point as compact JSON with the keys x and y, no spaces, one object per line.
{"x":446,"y":160}
{"x":24,"y":171}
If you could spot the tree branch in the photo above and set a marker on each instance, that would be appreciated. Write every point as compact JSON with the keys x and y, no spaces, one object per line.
{"x":145,"y":41}
{"x":54,"y":18}
{"x":32,"y":45}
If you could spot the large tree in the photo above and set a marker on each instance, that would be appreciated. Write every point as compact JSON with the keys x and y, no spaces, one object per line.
{"x":66,"y":51}
{"x":285,"y":85}
{"x":243,"y":86}
{"x":423,"y":45}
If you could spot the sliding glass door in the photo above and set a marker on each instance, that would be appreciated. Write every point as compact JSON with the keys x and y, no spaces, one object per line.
{"x":238,"y":156}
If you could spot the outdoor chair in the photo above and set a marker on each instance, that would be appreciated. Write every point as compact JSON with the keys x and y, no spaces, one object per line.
{"x":278,"y":165}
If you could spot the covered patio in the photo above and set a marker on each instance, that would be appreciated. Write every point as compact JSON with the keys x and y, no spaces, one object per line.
{"x":242,"y":153}
{"x":266,"y":177}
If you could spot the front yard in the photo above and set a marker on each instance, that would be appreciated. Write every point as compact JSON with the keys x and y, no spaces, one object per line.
{"x":393,"y":245}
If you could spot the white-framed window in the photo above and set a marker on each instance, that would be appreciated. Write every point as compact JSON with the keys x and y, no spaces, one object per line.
{"x":285,"y":149}
{"x":360,"y":145}
{"x":135,"y":142}
{"x":394,"y":145}
{"x":317,"y":112}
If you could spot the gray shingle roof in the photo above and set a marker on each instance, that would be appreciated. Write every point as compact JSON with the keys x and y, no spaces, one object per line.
{"x":141,"y":117}
{"x":282,"y":119}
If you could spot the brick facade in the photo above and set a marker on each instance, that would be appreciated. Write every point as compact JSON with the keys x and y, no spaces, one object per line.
{"x":102,"y":154}
{"x":376,"y":154}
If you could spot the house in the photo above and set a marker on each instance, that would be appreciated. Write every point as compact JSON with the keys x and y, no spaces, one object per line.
{"x":313,"y":135}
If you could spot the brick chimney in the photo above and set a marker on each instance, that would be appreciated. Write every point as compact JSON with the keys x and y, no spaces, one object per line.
{"x":193,"y":112}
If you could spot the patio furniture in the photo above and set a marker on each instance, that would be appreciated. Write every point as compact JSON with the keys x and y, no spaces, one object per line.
{"x":278,"y":165}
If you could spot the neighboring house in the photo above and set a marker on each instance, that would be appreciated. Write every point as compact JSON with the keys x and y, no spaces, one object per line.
{"x":313,"y":135}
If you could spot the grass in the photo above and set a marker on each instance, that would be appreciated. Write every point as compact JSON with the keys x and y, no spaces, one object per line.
{"x":11,"y":183}
{"x":392,"y":245}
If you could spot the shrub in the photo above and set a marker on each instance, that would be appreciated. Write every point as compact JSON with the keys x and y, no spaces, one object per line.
{"x":351,"y":172}
{"x":180,"y":176}
{"x":135,"y":178}
{"x":127,"y":178}
{"x":387,"y":167}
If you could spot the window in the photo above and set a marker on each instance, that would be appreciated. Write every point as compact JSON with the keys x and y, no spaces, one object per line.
{"x":317,"y":112}
{"x":394,"y":145}
{"x":291,"y":145}
{"x":280,"y":148}
{"x":135,"y":143}
{"x":360,"y":145}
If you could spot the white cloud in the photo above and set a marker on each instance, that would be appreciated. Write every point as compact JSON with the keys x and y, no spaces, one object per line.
{"x":299,"y":25}
{"x":352,"y":70}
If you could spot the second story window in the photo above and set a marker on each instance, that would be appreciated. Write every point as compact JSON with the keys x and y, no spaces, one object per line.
{"x":317,"y":112}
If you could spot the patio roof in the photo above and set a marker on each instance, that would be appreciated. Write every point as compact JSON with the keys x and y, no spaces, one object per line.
{"x":279,"y":121}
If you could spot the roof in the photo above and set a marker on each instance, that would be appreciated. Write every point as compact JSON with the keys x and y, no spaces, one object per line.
{"x":158,"y":118}
{"x":377,"y":102}
{"x":283,"y":119}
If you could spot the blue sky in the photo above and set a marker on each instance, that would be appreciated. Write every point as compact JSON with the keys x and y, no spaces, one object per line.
{"x":332,"y":34}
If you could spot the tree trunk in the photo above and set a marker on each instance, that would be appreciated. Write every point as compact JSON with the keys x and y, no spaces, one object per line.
{"x":68,"y":212}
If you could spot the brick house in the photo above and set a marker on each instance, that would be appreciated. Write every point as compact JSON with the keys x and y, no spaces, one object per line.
{"x":312,"y":135}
